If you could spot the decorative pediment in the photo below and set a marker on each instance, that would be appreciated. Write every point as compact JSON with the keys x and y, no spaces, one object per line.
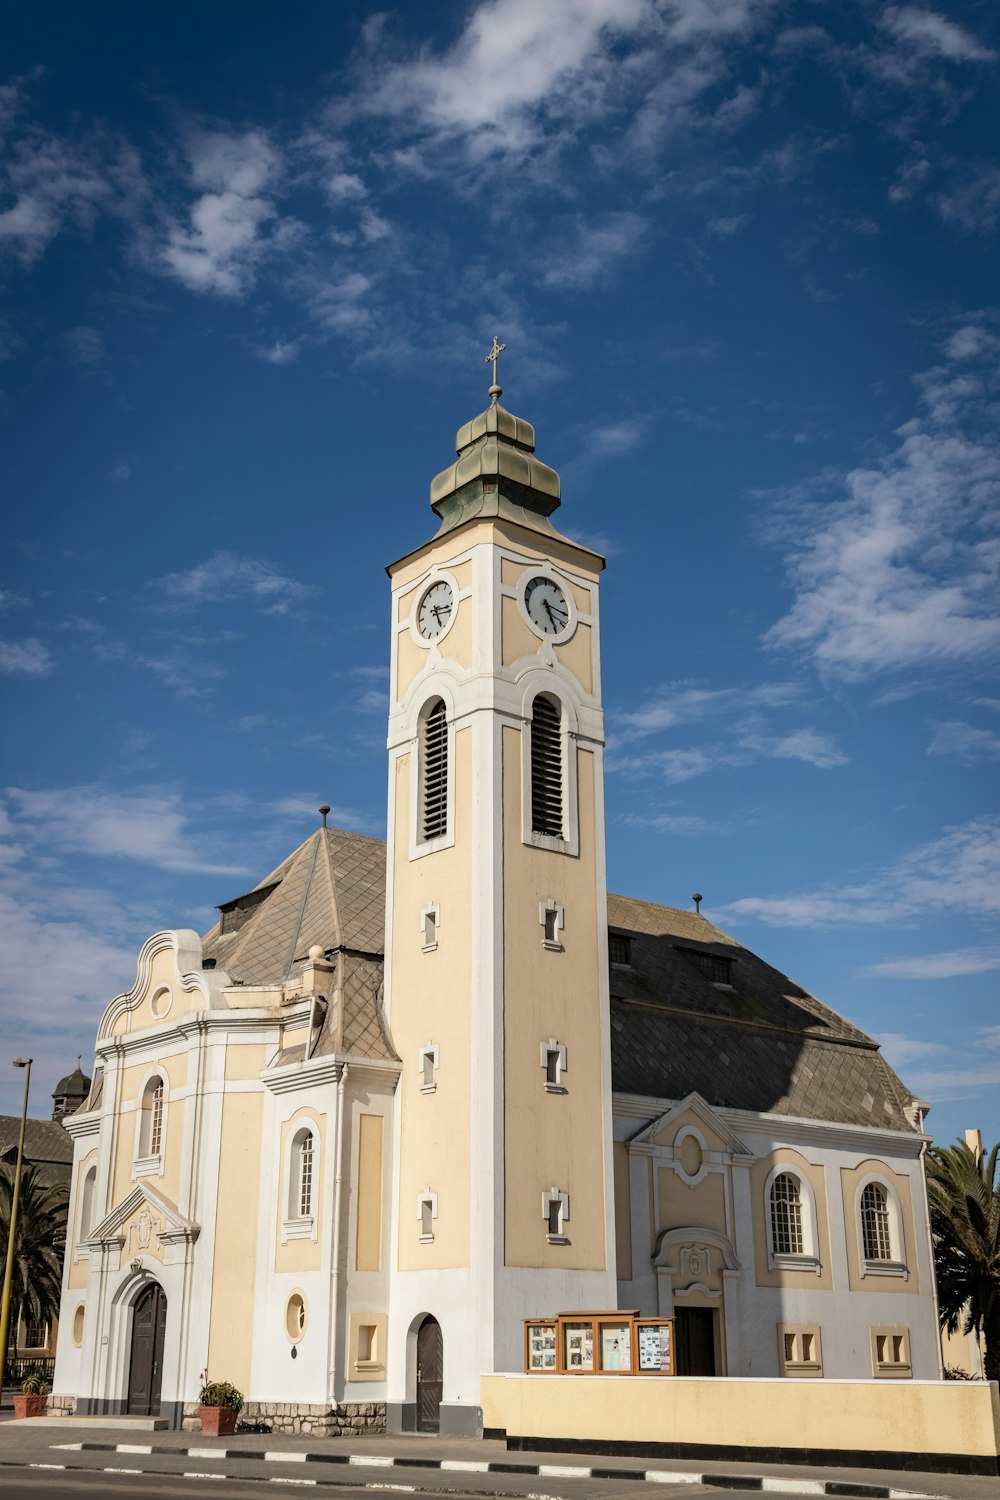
{"x":139,"y":1220}
{"x":660,"y":1135}
{"x":694,"y":1254}
{"x":168,"y":962}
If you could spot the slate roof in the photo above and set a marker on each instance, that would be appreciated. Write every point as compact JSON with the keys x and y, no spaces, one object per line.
{"x":47,"y":1146}
{"x":329,"y":893}
{"x":764,"y":1044}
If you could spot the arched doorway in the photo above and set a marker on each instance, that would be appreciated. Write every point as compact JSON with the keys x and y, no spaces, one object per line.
{"x":430,"y":1375}
{"x":145,"y":1369}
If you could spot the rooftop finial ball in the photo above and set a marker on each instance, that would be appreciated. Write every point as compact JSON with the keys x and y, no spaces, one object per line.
{"x":316,"y":954}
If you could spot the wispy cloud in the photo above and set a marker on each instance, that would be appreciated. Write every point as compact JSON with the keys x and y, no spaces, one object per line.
{"x":590,"y":251}
{"x":228,"y":576}
{"x":902,"y":570}
{"x":928,"y":32}
{"x":900,"y":1050}
{"x":27,"y":658}
{"x":960,"y":871}
{"x":938,"y":965}
{"x":686,"y":702}
{"x":965,"y":742}
{"x":150,"y":826}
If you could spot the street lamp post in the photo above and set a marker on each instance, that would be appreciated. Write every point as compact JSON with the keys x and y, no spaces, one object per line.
{"x":15,"y":1196}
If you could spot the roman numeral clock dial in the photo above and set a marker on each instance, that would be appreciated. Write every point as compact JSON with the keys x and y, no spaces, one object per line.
{"x":546,"y":605}
{"x":435,"y":609}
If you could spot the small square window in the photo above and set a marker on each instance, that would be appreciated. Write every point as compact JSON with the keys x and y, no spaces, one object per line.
{"x":426,"y":1214}
{"x":891,"y":1353}
{"x":430,"y":921}
{"x":555,"y":1211}
{"x":366,"y":1343}
{"x":552,"y":919}
{"x":428,"y":1063}
{"x":619,"y":948}
{"x":553,"y":1056}
{"x":799,"y":1352}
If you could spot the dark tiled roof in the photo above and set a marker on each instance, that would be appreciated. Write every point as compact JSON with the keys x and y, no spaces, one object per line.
{"x":765,"y":1044}
{"x":47,"y":1146}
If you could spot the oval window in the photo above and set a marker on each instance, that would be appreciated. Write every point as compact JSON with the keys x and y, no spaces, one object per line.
{"x":295,"y":1317}
{"x":160,"y":1002}
{"x":78,"y":1326}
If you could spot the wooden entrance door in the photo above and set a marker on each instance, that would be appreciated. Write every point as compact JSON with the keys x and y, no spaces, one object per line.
{"x":430,"y":1375}
{"x":694,"y":1331}
{"x":145,"y":1370}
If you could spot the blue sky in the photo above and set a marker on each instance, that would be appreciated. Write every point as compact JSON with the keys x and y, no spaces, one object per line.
{"x":744,"y":258}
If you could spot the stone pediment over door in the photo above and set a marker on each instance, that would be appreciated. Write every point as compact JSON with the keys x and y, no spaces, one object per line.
{"x":144,"y":1224}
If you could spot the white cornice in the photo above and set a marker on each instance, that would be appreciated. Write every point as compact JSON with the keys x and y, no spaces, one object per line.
{"x":316,"y":1071}
{"x":80,"y":1126}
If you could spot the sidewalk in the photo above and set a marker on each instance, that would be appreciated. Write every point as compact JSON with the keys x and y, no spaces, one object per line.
{"x":432,"y":1465}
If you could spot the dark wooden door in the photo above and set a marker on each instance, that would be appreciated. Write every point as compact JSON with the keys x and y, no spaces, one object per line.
{"x":430,"y":1375}
{"x":694,"y":1330}
{"x":145,"y":1371}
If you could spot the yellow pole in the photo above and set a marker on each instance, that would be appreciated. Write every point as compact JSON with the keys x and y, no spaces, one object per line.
{"x":8,"y":1274}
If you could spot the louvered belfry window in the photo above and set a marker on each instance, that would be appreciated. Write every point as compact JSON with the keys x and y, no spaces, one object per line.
{"x":546,"y":768}
{"x":434,"y":812}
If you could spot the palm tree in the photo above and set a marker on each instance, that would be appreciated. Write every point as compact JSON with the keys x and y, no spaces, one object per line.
{"x":964,"y":1194}
{"x":39,"y":1242}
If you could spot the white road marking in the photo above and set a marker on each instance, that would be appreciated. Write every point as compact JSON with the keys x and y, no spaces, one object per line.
{"x":370,"y":1461}
{"x":274,"y":1457}
{"x":133,"y":1448}
{"x":209,"y":1453}
{"x":463,"y":1466}
{"x":120,"y":1471}
{"x":65,"y":1447}
{"x":280,"y":1479}
{"x":561,"y":1471}
{"x":193,"y":1474}
{"x":795,"y":1486}
{"x":46,"y":1466}
{"x":665,"y":1476}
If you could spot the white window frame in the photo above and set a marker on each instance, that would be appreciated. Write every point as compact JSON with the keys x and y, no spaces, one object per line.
{"x":897,"y":1265}
{"x":295,"y":1225}
{"x":809,"y":1259}
{"x":557,"y":1049}
{"x":429,"y":1052}
{"x":148,"y":1163}
{"x":430,"y":926}
{"x":419,"y":846}
{"x":427,"y":1199}
{"x":551,"y":916}
{"x":570,"y":843}
{"x":552,"y":1198}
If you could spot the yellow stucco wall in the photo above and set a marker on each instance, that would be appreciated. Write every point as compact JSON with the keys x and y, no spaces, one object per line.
{"x":368,"y":1236}
{"x":551,"y":1139}
{"x":923,"y":1417}
{"x":174,"y":1067}
{"x":231,"y":1332}
{"x":305,"y":1254}
{"x":432,"y":1004}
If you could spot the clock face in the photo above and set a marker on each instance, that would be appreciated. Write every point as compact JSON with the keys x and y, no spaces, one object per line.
{"x":435,"y":610}
{"x":546,"y":605}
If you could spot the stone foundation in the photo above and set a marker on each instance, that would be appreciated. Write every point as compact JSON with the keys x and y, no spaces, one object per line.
{"x":353,"y":1419}
{"x":61,"y":1406}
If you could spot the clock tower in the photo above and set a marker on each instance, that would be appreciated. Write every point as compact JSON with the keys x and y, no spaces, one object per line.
{"x":496,"y":929}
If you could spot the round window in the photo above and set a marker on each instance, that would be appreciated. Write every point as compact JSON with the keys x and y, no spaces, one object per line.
{"x":78,"y":1326}
{"x":160,"y":1002}
{"x":295,"y":1317}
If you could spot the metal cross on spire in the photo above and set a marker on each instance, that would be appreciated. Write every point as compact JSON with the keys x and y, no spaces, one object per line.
{"x":496,"y":391}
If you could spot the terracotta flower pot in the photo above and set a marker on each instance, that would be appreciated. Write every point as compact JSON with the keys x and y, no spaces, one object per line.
{"x":218,"y":1421}
{"x":29,"y":1406}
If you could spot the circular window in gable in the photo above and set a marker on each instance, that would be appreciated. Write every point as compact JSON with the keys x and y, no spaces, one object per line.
{"x":160,"y":1002}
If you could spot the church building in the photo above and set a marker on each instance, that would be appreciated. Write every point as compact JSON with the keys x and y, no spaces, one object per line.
{"x":406,"y":1094}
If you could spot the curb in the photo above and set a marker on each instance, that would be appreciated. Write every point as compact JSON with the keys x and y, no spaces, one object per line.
{"x":771,"y":1484}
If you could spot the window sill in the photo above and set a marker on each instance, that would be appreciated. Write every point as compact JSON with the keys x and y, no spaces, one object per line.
{"x":147,"y":1166}
{"x":552,"y":841}
{"x":807,"y":1263}
{"x":810,"y":1371}
{"x":298,"y":1229}
{"x":428,"y":1088}
{"x":556,"y":1088}
{"x":885,"y":1268}
{"x":426,"y":1239}
{"x":429,"y":948}
{"x":557,"y":1239}
{"x":893,"y":1372}
{"x":368,"y":1364}
{"x":551,"y":946}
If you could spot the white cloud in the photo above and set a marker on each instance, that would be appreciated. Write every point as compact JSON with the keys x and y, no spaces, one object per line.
{"x":85,"y":346}
{"x":10,"y":600}
{"x":684,"y":825}
{"x":305,"y":805}
{"x":220,"y":246}
{"x":903,"y":569}
{"x":804,"y":744}
{"x":148,"y":826}
{"x":120,"y":472}
{"x":227,"y":576}
{"x":616,"y":437}
{"x":929,"y":32}
{"x":27,"y":658}
{"x":960,"y":871}
{"x":592,"y":250}
{"x":939,"y":965}
{"x":965,"y":742}
{"x":685,"y":702}
{"x":947,"y":1085}
{"x":900,"y":1050}
{"x":281,"y":352}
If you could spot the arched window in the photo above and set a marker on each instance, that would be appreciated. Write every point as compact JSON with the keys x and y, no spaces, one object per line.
{"x":546,"y":767}
{"x":786,"y":1216}
{"x":301,"y":1175}
{"x":876,"y":1232}
{"x":152,"y":1123}
{"x":434,"y":772}
{"x":87,"y":1202}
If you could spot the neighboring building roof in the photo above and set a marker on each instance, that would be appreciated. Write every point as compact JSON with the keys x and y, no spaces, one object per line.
{"x":761,"y":1043}
{"x":330,"y":893}
{"x":75,"y":1084}
{"x":47,"y":1146}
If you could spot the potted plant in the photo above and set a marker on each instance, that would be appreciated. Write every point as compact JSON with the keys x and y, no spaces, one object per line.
{"x":31,"y":1402}
{"x":219,"y":1406}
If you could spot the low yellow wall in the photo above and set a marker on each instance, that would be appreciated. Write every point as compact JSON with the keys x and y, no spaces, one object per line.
{"x":931,"y":1417}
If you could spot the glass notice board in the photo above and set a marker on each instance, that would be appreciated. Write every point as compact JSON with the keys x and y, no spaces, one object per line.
{"x":656,"y":1347}
{"x":599,"y":1343}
